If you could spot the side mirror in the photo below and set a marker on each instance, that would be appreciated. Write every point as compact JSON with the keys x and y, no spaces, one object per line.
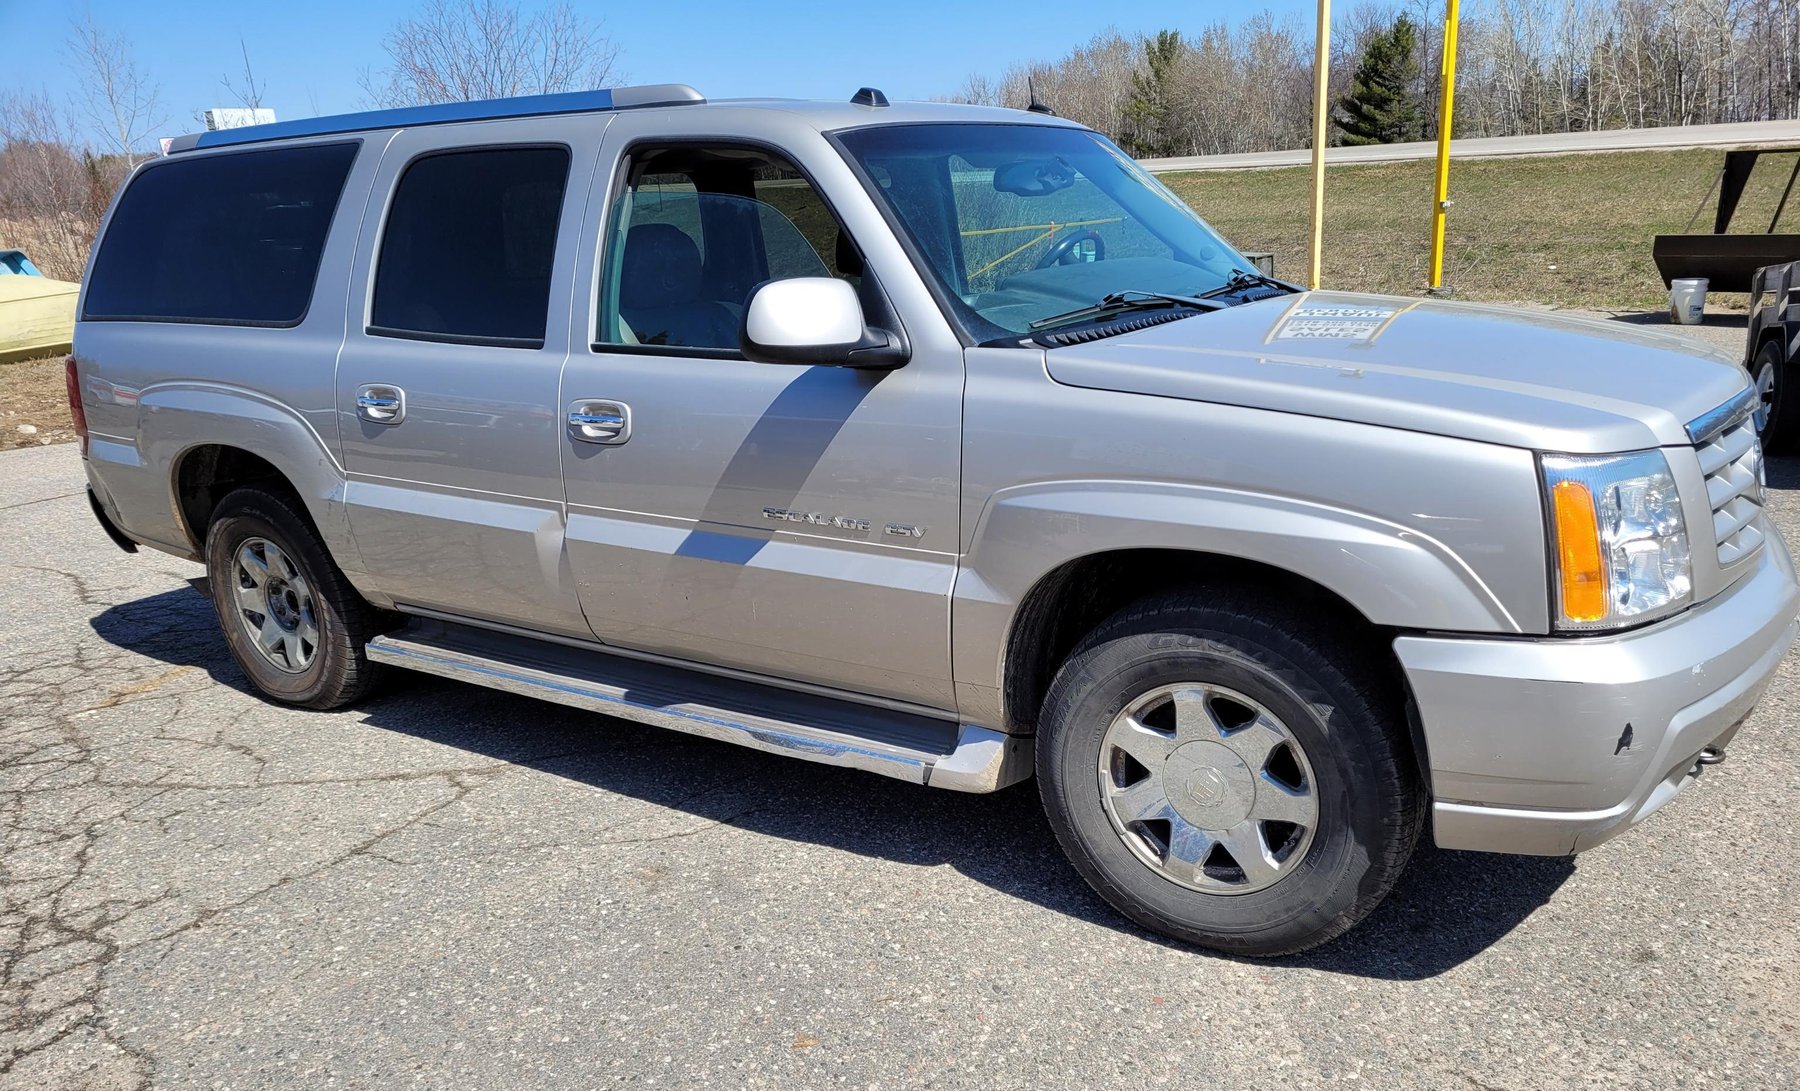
{"x":814,"y":320}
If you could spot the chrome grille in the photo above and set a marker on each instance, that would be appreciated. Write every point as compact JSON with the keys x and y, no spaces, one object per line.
{"x":1732,"y":462}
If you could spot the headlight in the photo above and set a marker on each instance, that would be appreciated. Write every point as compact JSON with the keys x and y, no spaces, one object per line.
{"x":1619,"y":543}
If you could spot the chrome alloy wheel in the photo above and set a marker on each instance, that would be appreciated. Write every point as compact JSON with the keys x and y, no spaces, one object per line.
{"x":1208,"y":788}
{"x":1765,"y":396}
{"x":275,"y":605}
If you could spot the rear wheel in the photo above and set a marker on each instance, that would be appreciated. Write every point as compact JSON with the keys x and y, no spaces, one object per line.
{"x":292,"y":621}
{"x":1222,"y":775}
{"x":1777,"y":422}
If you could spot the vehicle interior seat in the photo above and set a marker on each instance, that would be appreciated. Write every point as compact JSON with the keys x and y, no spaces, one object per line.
{"x":660,"y":292}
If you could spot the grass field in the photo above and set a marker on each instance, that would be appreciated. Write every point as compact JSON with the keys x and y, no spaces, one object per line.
{"x":1569,"y":230}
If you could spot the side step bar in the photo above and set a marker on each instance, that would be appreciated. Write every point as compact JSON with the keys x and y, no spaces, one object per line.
{"x":939,"y":753}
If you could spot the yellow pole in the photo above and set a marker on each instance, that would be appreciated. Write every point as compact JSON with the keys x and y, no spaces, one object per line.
{"x":1446,"y":111}
{"x":1321,"y":115}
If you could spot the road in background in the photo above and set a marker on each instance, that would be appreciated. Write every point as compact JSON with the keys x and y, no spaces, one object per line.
{"x":1745,"y":134}
{"x":453,"y":887}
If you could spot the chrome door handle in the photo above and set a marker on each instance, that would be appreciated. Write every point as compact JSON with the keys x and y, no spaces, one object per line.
{"x":599,"y":422}
{"x":379,"y":404}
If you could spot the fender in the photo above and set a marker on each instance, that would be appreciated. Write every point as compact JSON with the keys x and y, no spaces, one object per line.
{"x":1393,"y":574}
{"x":175,"y":418}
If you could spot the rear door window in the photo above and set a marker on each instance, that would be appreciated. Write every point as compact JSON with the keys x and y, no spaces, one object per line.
{"x":231,"y":239}
{"x":469,"y":247}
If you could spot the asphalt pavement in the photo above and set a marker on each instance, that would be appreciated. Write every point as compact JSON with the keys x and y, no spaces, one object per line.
{"x":456,"y":888}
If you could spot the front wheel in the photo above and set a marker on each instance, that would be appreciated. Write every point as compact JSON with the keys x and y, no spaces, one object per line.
{"x":1223,"y":776}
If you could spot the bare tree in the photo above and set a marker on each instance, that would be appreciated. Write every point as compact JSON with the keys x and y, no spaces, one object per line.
{"x":121,"y":101}
{"x":1525,"y":66}
{"x":457,"y":50}
{"x":249,"y":93}
{"x":49,"y":199}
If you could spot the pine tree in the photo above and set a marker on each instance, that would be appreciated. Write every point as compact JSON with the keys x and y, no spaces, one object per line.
{"x":1385,"y":105}
{"x":1147,"y":128}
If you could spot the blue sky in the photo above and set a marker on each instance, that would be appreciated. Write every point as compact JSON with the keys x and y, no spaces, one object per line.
{"x":308,"y":53}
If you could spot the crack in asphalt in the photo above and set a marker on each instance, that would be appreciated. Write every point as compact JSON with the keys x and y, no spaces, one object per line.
{"x":39,"y":500}
{"x":83,"y":590}
{"x":77,"y":774}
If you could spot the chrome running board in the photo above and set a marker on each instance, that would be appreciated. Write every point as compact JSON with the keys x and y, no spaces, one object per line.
{"x":939,"y":753}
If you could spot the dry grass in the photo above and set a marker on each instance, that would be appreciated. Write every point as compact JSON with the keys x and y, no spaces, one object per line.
{"x":34,"y":395}
{"x":1571,"y":231}
{"x":59,"y":248}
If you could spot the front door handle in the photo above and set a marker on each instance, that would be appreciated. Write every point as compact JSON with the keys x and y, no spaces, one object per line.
{"x":599,"y":422}
{"x":378,"y":403}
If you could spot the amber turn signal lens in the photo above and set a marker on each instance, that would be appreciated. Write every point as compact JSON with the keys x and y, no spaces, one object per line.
{"x":1579,"y":561}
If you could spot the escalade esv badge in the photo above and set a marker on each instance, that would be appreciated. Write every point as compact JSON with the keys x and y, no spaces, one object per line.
{"x":817,"y":518}
{"x":841,"y":522}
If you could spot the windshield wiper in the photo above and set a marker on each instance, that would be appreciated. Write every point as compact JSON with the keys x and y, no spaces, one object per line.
{"x":1240,"y":279}
{"x":1123,"y":302}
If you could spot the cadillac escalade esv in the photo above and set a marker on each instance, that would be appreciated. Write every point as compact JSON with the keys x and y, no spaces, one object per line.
{"x":940,"y":442}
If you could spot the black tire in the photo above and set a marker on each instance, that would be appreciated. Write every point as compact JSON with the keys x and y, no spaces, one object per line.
{"x":336,"y":672}
{"x":1345,"y":712}
{"x":1782,"y":426}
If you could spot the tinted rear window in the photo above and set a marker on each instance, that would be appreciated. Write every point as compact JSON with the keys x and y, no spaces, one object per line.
{"x":227,"y":239}
{"x":469,"y":244}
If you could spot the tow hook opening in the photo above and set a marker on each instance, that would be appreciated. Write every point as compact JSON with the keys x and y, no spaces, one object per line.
{"x":1711,"y":755}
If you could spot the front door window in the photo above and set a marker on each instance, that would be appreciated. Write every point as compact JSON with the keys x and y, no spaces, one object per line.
{"x":695,"y":230}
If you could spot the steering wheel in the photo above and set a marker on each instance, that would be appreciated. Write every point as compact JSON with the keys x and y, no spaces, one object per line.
{"x":1080,"y":244}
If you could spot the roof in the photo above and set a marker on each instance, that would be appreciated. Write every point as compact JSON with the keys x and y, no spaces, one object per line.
{"x":828,"y":115}
{"x":824,"y":115}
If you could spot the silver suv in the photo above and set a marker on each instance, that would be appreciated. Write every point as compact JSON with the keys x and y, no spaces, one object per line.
{"x":944,"y":443}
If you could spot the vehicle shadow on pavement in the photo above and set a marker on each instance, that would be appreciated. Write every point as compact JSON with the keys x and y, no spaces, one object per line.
{"x":1726,"y":320}
{"x":1450,"y":907}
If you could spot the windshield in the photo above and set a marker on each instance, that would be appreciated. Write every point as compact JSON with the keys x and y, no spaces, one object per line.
{"x":1022,"y":223}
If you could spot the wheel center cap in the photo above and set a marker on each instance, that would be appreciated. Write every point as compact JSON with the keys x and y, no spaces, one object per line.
{"x":283,"y":604}
{"x":1209,"y":785}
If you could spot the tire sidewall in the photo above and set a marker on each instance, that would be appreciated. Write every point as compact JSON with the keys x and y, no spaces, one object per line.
{"x":250,"y":518}
{"x":1777,"y":430}
{"x":1324,"y":887}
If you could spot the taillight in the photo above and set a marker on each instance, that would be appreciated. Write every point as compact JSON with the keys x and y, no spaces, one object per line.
{"x":75,"y":408}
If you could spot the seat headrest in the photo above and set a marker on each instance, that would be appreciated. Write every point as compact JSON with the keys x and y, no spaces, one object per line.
{"x":661,"y":267}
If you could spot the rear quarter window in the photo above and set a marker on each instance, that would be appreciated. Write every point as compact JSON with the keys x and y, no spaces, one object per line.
{"x":231,"y":239}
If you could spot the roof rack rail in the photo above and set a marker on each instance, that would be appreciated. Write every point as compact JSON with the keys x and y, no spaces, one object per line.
{"x":570,"y":102}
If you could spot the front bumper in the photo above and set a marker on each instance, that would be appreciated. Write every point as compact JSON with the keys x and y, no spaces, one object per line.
{"x":1552,"y":746}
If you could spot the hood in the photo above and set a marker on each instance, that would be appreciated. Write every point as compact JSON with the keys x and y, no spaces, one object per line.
{"x":1521,"y":378}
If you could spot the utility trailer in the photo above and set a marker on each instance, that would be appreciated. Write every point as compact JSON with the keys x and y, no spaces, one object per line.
{"x":1772,"y":352}
{"x":1729,"y":261}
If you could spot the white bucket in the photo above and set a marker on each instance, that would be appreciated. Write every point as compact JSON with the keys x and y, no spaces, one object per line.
{"x":1687,"y":301}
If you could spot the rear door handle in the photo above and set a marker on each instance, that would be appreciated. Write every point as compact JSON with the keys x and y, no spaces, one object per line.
{"x":378,"y":403}
{"x":593,"y":421}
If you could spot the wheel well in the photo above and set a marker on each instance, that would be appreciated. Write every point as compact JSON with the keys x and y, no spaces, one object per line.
{"x":1068,"y":602}
{"x":208,"y":473}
